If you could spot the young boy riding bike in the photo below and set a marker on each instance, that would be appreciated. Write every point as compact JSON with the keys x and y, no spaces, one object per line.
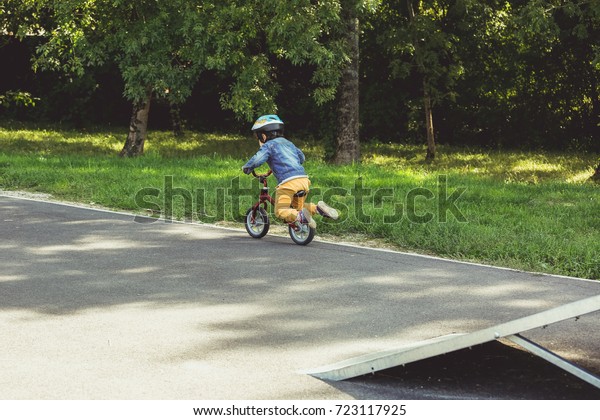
{"x":285,"y":160}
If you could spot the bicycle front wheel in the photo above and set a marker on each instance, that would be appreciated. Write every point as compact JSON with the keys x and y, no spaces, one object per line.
{"x":257,"y":222}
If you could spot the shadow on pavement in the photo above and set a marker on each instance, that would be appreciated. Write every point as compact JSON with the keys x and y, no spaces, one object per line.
{"x":272,"y":307}
{"x":490,"y":371}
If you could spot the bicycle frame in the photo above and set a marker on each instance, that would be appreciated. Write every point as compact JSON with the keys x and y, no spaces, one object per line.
{"x":265,"y":198}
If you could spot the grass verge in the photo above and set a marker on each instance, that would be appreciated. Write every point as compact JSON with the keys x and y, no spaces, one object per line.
{"x":528,"y":211}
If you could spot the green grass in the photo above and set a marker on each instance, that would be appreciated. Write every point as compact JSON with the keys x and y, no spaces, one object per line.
{"x":529,"y":211}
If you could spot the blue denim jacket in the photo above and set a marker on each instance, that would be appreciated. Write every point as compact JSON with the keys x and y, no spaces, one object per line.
{"x":284,"y":159}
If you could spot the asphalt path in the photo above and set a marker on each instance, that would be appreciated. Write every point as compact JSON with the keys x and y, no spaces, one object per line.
{"x":94,"y":305}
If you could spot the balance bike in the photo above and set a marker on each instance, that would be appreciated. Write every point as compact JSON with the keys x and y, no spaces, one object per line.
{"x":257,"y":219}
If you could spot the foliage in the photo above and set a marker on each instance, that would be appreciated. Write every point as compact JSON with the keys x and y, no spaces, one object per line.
{"x":529,"y":77}
{"x":17,"y":98}
{"x":500,"y":72}
{"x":165,"y":45}
{"x":424,"y":43}
{"x":250,"y":39}
{"x":143,"y":39}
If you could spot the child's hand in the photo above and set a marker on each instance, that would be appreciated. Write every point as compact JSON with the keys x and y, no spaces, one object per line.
{"x":247,"y":171}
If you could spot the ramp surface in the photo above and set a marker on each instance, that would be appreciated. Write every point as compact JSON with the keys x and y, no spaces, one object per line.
{"x":96,"y":306}
{"x":384,"y":360}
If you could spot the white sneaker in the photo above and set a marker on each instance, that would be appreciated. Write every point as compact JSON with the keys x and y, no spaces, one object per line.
{"x":327,"y":211}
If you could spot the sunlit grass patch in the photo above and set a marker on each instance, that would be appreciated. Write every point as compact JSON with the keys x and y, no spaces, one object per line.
{"x":509,"y":166}
{"x":194,"y":144}
{"x":55,"y":142}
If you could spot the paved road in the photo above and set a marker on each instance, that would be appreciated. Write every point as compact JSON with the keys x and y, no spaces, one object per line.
{"x":96,"y":306}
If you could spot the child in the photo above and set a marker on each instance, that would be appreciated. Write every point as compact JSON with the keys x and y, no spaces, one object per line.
{"x":285,"y":160}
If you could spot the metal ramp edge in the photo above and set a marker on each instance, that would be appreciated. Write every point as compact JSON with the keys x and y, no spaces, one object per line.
{"x":511,"y":330}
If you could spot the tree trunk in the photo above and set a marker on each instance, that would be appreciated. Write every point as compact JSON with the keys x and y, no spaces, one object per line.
{"x":426,"y":95}
{"x":176,"y":120}
{"x":595,"y":117}
{"x":138,"y":127}
{"x":348,"y":141}
{"x":429,"y":127}
{"x":596,"y":176}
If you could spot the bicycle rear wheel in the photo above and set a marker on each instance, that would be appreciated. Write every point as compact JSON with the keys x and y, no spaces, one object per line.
{"x":303,"y":236}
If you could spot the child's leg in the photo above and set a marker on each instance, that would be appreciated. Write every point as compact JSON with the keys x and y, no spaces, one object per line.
{"x":286,"y":204}
{"x":321,"y":208}
{"x":311,"y":207}
{"x":283,"y":205}
{"x":300,"y":203}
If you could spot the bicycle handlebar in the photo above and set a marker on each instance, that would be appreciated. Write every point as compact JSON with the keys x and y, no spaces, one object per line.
{"x":261,"y":175}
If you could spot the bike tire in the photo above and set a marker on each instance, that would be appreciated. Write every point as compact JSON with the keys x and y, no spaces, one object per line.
{"x":302,"y":237}
{"x":257,"y":223}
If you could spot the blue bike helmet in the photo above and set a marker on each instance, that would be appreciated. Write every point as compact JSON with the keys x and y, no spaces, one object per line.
{"x":267,"y":123}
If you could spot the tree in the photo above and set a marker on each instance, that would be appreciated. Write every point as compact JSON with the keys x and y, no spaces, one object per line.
{"x":560,"y":65}
{"x":16,"y":17}
{"x":336,"y":56}
{"x":144,"y":39}
{"x":418,"y":38}
{"x":419,"y":48}
{"x":348,"y":140}
{"x":322,"y":36}
{"x":596,"y":176}
{"x":160,"y":48}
